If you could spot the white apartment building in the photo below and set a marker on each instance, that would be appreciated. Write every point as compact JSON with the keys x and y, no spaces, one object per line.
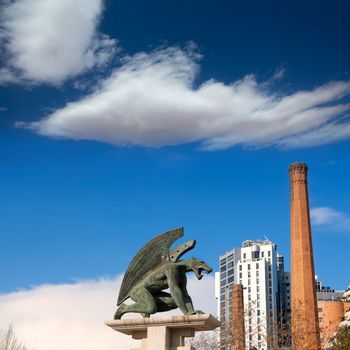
{"x":260,"y":269}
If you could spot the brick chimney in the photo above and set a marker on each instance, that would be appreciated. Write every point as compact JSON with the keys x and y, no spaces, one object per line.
{"x":238,"y":332}
{"x":305,"y":328}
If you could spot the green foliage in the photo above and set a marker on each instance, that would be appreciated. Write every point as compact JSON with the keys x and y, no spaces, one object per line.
{"x":342,"y":339}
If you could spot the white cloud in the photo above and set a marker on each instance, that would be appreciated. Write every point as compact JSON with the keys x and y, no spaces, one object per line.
{"x":50,"y":41}
{"x":71,"y":316}
{"x":151,"y":101}
{"x":330,"y":219}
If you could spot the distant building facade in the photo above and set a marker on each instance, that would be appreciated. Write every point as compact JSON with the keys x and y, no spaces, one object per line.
{"x":330,"y":315}
{"x":325,"y":292}
{"x":260,"y":269}
{"x":332,"y":306}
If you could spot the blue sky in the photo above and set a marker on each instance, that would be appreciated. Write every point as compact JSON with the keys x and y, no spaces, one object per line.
{"x":119,"y":122}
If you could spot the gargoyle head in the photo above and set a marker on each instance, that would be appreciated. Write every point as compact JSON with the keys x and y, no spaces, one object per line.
{"x":198,"y":266}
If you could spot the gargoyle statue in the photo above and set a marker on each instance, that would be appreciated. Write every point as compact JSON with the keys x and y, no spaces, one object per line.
{"x":155,"y":269}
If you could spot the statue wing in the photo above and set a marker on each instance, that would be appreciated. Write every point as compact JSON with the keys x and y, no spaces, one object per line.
{"x":180,"y":250}
{"x":148,"y":257}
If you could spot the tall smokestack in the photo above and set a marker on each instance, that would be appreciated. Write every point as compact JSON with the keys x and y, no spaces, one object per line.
{"x":238,"y":332}
{"x":305,"y":328}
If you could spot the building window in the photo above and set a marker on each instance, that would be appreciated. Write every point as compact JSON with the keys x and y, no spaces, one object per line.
{"x":230,"y":264}
{"x":230,"y":279}
{"x":257,"y":273}
{"x":230,"y":272}
{"x":320,"y":319}
{"x":255,"y":255}
{"x":223,"y":262}
{"x":248,"y":282}
{"x":249,"y":274}
{"x":269,"y":253}
{"x":320,"y":309}
{"x":223,"y":268}
{"x":257,"y":281}
{"x":244,"y":256}
{"x":240,"y":267}
{"x":240,"y":275}
{"x":248,"y":266}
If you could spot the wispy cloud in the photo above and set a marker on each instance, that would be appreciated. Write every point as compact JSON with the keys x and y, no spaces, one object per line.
{"x":48,"y":41}
{"x":151,"y":101}
{"x":330,"y":219}
{"x":330,"y":163}
{"x":71,"y":316}
{"x":279,"y":74}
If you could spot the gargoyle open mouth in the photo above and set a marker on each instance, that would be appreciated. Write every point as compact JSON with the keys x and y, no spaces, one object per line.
{"x":202,"y":268}
{"x":200,"y":276}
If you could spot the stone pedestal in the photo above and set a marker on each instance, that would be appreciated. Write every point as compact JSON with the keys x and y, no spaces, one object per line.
{"x":164,"y":333}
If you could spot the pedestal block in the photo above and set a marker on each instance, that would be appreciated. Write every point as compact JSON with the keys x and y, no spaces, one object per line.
{"x":164,"y":333}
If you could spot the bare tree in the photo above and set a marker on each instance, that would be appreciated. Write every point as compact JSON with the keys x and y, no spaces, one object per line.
{"x":9,"y":341}
{"x":275,"y":334}
{"x":205,"y":341}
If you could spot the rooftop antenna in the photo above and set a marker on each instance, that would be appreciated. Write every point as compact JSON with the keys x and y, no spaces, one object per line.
{"x":266,"y":238}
